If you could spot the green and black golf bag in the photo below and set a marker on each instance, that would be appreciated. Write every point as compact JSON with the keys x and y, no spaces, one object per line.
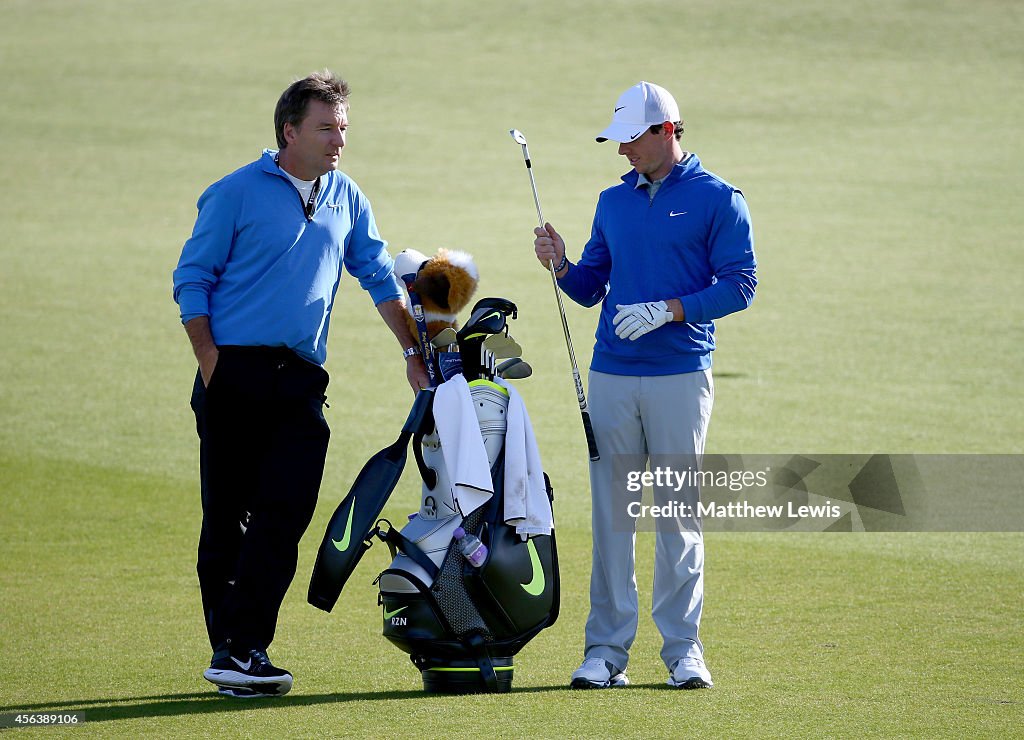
{"x":461,"y":625}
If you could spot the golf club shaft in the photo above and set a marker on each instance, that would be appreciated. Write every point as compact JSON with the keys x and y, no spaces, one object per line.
{"x":426,"y":348}
{"x":581,"y":397}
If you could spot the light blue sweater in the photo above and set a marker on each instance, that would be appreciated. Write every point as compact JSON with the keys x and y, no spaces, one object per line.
{"x":693,"y":241}
{"x":267,"y":275}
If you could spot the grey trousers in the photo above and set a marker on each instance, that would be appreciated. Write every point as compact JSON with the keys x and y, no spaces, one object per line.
{"x":663,"y":421}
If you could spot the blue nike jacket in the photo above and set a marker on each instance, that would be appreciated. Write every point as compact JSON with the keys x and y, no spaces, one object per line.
{"x":264,"y":272}
{"x":693,"y":241}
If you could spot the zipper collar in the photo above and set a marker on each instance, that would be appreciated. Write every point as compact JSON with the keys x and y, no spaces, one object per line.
{"x":681,"y":171}
{"x":269,"y":163}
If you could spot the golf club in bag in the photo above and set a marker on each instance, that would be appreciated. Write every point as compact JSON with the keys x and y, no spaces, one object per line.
{"x":461,"y":609}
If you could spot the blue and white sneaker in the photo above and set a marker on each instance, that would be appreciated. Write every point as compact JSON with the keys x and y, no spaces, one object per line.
{"x":598,"y":673}
{"x":253,"y":672}
{"x":690,"y":673}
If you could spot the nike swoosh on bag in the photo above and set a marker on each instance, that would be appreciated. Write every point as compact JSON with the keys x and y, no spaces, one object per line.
{"x":536,"y":585}
{"x":342,"y":545}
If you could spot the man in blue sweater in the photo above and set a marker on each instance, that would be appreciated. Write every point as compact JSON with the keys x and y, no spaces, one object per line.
{"x":671,"y":249}
{"x":255,"y":285}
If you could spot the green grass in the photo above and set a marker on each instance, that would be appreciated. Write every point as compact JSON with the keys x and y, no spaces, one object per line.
{"x":877,"y":147}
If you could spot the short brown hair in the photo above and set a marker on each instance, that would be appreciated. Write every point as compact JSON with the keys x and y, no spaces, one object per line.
{"x":678,"y":133}
{"x":291,"y":106}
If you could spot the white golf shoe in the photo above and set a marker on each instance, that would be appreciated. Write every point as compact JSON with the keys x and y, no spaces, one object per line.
{"x":690,"y":673}
{"x":598,"y":673}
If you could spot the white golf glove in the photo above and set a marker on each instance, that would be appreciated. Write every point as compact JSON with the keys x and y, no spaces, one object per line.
{"x":637,"y":319}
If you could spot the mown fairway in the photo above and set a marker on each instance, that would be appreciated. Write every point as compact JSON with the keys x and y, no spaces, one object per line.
{"x":878,"y":149}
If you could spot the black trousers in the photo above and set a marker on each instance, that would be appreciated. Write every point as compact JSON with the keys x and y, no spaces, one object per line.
{"x":263,"y":442}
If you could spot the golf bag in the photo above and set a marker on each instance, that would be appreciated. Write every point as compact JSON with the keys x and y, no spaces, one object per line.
{"x":460,"y":624}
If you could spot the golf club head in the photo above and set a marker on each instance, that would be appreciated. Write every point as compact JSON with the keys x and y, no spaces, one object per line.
{"x":498,"y":340}
{"x":512,"y":349}
{"x":518,"y":136}
{"x":504,"y":305}
{"x":445,"y":337}
{"x":503,"y":346}
{"x":514,"y":369}
{"x":483,"y":322}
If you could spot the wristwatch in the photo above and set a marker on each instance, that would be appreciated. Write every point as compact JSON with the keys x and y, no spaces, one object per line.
{"x":410,"y":351}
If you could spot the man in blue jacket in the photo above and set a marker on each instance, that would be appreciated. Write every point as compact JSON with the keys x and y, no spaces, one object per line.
{"x":671,"y":249}
{"x":256,"y":284}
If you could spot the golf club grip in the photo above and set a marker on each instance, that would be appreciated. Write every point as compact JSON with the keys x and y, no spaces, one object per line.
{"x":588,"y":429}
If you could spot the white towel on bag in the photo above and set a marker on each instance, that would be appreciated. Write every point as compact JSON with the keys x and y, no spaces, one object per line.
{"x":527,"y":506}
{"x":462,"y":446}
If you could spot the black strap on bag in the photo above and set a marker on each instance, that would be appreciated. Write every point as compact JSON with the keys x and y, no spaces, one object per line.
{"x":478,"y":648}
{"x":427,"y":474}
{"x":398,"y":542}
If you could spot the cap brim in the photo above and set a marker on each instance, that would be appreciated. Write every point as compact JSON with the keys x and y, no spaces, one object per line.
{"x":623,"y":133}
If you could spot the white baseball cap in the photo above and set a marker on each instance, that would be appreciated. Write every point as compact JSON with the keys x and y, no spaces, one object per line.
{"x":640,"y":107}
